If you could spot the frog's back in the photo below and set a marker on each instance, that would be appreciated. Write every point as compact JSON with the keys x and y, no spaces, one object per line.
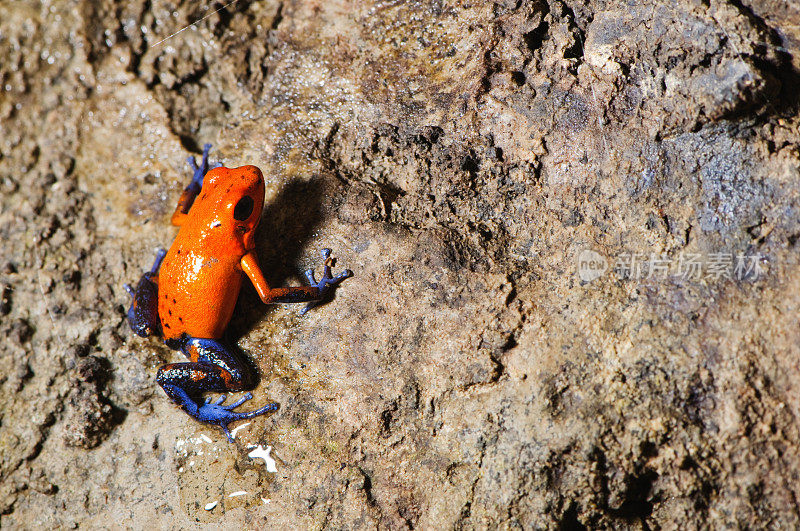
{"x":197,"y":292}
{"x":201,"y":275}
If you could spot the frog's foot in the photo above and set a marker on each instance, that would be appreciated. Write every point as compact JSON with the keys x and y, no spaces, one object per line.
{"x":200,"y":171}
{"x":222,"y":416}
{"x":328,"y":281}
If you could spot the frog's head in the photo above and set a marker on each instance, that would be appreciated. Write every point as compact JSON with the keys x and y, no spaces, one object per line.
{"x":234,"y":201}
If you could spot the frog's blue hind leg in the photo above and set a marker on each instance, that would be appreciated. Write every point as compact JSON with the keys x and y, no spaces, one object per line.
{"x":195,"y":185}
{"x":213,"y":368}
{"x":143,"y":313}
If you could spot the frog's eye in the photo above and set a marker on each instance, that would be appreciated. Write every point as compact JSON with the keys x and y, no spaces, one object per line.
{"x":243,"y":208}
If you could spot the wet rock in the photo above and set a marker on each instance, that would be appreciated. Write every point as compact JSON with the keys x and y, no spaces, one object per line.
{"x":89,"y":415}
{"x":460,"y":159}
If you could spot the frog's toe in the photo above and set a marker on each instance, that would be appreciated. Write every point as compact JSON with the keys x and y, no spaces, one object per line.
{"x":328,"y":280}
{"x":341,"y":276}
{"x":217,"y":402}
{"x":222,"y":416}
{"x":239,"y":402}
{"x":204,"y":164}
{"x":311,"y":278}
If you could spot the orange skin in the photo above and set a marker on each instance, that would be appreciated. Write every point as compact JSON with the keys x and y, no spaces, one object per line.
{"x":201,"y":274}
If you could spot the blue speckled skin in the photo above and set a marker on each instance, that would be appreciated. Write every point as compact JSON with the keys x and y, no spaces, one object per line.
{"x":213,"y":367}
{"x":143,"y":313}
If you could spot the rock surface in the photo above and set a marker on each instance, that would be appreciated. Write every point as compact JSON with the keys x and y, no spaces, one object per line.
{"x":574,"y":227}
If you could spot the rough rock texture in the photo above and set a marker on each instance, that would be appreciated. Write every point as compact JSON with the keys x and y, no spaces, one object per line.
{"x":460,"y":158}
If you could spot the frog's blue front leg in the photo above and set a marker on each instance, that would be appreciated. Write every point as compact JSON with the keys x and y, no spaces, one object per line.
{"x":213,"y":368}
{"x":200,"y":171}
{"x":195,"y":185}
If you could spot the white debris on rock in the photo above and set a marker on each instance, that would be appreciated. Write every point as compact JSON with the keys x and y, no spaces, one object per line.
{"x":263,"y":453}
{"x":235,"y":430}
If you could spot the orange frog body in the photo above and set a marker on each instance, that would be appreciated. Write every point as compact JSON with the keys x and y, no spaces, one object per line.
{"x":201,"y":274}
{"x":189,"y":295}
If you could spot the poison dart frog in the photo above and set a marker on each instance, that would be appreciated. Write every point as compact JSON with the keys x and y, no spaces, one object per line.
{"x":189,"y":294}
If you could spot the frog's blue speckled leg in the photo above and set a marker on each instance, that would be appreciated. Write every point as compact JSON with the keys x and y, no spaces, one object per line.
{"x":213,"y":368}
{"x":195,"y":185}
{"x":328,"y":280}
{"x":143,"y":313}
